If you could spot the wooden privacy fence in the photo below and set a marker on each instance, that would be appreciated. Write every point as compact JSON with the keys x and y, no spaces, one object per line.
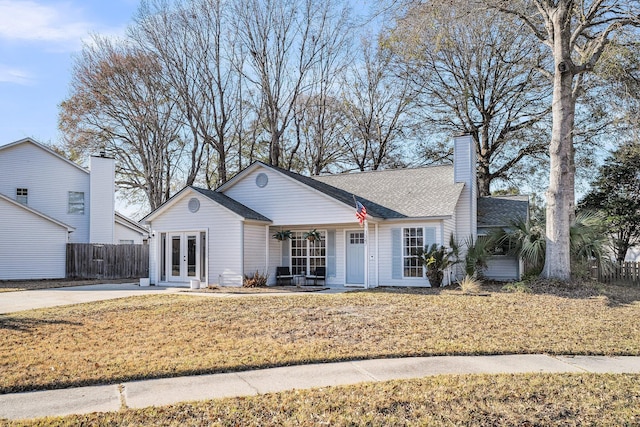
{"x":625,"y":273}
{"x":92,"y":261}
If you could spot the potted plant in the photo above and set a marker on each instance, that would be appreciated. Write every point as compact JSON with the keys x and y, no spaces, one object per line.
{"x":282,"y":235}
{"x":312,"y":235}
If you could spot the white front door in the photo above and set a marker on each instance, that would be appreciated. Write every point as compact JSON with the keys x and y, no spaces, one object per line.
{"x":355,"y":258}
{"x":183,"y":253}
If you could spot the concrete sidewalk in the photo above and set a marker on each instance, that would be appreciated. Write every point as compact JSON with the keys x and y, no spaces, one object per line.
{"x":140,"y":394}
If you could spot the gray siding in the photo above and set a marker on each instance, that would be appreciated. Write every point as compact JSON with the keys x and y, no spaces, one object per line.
{"x":502,"y":268}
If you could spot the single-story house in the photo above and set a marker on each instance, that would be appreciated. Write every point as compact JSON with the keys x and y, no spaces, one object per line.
{"x":218,"y":236}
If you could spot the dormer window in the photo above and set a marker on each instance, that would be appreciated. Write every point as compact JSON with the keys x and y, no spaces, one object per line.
{"x":22,"y":195}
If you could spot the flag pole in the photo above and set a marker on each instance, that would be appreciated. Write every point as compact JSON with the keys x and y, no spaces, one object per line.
{"x":366,"y":254}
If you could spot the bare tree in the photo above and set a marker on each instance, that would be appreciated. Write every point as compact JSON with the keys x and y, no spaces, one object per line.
{"x":195,"y":42}
{"x":476,"y":71}
{"x":376,"y":104}
{"x":119,"y":103}
{"x":319,"y":127}
{"x":576,"y":34}
{"x":284,"y":40}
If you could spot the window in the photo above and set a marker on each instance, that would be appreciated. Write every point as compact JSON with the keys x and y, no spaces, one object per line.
{"x":125,"y":242}
{"x":76,"y":202}
{"x":306,"y":256}
{"x":21,"y":195}
{"x":505,"y":246}
{"x":412,"y":242}
{"x":356,"y":238}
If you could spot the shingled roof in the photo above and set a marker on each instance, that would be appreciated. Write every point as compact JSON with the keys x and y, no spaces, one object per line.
{"x":231,"y":204}
{"x":500,"y":211}
{"x":417,"y":193}
{"x":373,"y":208}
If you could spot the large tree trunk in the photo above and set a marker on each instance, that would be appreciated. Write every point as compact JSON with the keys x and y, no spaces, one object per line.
{"x":484,"y":178}
{"x":561,"y":193}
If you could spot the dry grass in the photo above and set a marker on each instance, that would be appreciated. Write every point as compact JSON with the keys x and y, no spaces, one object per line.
{"x":32,"y":285}
{"x":172,"y":335}
{"x":482,"y":400}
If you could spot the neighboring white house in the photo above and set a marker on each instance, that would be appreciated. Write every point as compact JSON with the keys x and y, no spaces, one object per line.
{"x":47,"y":201}
{"x":217,"y":236}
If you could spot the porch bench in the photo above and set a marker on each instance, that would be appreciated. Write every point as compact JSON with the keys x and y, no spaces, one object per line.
{"x":317,"y":275}
{"x":283,"y":275}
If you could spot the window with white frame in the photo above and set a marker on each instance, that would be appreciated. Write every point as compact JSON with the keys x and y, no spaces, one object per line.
{"x":307,"y":255}
{"x":76,"y":202}
{"x":22,"y":195}
{"x":412,"y":243}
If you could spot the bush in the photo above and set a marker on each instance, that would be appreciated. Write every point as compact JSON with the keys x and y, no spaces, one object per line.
{"x":517,"y":287}
{"x":257,"y":280}
{"x":470,"y":285}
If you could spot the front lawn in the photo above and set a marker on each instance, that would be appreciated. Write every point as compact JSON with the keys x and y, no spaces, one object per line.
{"x":172,"y":335}
{"x":479,"y":400}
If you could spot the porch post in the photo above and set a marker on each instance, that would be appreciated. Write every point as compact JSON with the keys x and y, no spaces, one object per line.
{"x":266,"y":251}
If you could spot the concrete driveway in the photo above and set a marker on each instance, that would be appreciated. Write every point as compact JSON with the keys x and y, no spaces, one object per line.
{"x":27,"y":300}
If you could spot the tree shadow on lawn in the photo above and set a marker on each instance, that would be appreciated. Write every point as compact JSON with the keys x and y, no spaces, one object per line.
{"x":25,"y":324}
{"x":616,"y":295}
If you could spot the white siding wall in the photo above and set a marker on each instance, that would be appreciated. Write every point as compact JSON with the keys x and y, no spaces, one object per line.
{"x":32,"y":248}
{"x":125,"y":233}
{"x":275,"y":256}
{"x":49,"y":180}
{"x":464,"y":160}
{"x":287,"y":202}
{"x":224,"y":238}
{"x":386,"y":253}
{"x":255,"y":243}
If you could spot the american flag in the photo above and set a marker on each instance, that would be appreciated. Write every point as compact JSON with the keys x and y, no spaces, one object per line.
{"x":361,"y":212}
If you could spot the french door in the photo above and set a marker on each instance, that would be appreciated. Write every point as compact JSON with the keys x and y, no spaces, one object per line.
{"x":183,"y":253}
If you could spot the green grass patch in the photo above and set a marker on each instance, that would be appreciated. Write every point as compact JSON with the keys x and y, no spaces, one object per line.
{"x":174,"y":335}
{"x":484,"y":400}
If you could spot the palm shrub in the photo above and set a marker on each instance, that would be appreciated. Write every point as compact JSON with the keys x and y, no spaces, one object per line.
{"x":437,"y":259}
{"x":478,"y":254}
{"x":527,"y":240}
{"x":588,"y":242}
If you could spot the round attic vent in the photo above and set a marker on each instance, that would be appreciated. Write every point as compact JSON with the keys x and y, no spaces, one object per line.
{"x":261,"y":180}
{"x":194,"y":205}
